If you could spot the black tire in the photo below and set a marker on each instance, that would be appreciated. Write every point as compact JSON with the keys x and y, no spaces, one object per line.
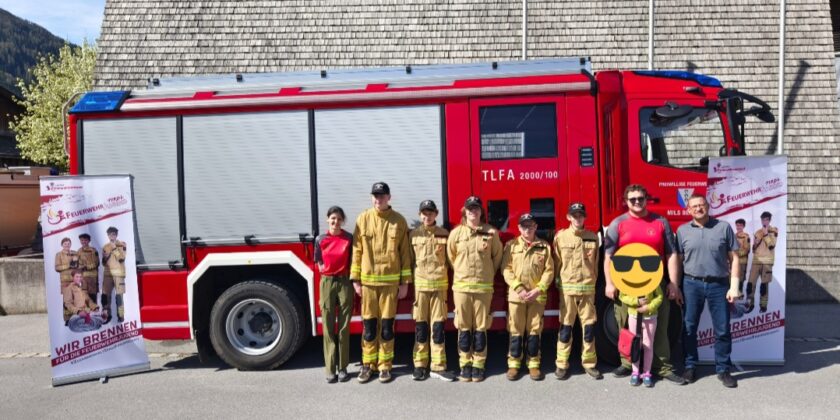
{"x":607,"y":338}
{"x":607,"y":335}
{"x":256,"y":325}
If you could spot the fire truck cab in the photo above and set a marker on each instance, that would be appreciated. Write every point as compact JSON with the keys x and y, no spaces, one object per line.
{"x":232,"y":175}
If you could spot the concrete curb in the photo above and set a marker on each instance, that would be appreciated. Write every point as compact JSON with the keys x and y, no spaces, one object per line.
{"x":22,"y":287}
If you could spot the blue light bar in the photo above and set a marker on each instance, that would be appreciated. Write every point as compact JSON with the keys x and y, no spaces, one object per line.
{"x":99,"y":102}
{"x":679,"y":74}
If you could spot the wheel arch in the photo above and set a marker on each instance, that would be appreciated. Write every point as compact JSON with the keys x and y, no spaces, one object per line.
{"x":218,"y":272}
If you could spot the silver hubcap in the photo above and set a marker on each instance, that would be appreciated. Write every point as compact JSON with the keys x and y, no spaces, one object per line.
{"x":253,"y":327}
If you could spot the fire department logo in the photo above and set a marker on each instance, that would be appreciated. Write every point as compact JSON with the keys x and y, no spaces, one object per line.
{"x":55,"y":217}
{"x":682,"y":196}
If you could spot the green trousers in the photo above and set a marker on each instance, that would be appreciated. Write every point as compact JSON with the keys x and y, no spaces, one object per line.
{"x":661,"y":345}
{"x":336,"y":301}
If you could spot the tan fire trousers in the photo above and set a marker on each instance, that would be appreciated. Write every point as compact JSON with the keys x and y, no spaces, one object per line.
{"x":472,"y":319}
{"x":525,"y":324}
{"x":571,"y":307}
{"x":379,"y":307}
{"x":429,"y":318}
{"x":765,"y":272}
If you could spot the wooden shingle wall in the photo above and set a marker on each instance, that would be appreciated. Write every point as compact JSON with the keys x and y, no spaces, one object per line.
{"x":734,"y":40}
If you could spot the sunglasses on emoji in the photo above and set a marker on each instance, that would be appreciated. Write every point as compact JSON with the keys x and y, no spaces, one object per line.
{"x":623,"y":263}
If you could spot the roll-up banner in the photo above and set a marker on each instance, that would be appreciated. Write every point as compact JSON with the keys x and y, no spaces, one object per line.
{"x":750,"y":193}
{"x":89,"y":264}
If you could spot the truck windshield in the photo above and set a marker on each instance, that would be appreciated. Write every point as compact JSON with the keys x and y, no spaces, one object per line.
{"x":684,"y":142}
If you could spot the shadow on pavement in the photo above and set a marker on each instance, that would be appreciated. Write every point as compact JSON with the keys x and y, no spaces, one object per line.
{"x":311,"y":355}
{"x":800,"y":357}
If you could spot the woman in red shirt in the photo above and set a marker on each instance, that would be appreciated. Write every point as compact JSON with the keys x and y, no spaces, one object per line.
{"x":332,"y":253}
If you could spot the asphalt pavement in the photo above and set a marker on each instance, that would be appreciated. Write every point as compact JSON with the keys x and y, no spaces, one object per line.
{"x":178,"y":386}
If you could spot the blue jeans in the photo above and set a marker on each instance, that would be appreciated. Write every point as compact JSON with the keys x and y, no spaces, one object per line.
{"x":696,"y":293}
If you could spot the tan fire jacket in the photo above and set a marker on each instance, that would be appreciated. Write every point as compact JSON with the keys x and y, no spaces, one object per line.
{"x":64,"y":262}
{"x":763,"y":250}
{"x":743,"y":239}
{"x":476,"y":255}
{"x":89,"y":261}
{"x":429,"y":248}
{"x":381,"y":253}
{"x":527,"y":266}
{"x":76,"y":299}
{"x":113,"y":258}
{"x":576,"y":264}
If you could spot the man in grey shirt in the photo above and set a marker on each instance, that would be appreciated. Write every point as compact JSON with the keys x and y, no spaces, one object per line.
{"x":709,"y":252}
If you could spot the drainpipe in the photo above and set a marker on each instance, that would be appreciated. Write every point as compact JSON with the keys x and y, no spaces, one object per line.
{"x":780,"y":135}
{"x":524,"y":29}
{"x":650,"y":35}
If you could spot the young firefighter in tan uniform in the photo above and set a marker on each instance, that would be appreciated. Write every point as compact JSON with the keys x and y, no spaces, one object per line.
{"x":76,"y":299}
{"x":431,"y":281}
{"x":66,"y":261}
{"x":528,"y":268}
{"x":743,"y":239}
{"x":89,"y":263}
{"x":576,"y":250}
{"x":475,"y":252}
{"x":113,"y":277}
{"x":381,"y":272}
{"x":762,"y":263}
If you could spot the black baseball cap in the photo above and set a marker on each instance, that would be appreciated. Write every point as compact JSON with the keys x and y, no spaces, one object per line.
{"x":380,"y":188}
{"x":577,"y":208}
{"x":472,"y":201}
{"x":428,"y":205}
{"x":527,"y":217}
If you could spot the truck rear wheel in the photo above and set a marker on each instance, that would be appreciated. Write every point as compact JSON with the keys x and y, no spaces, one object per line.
{"x":256,"y":325}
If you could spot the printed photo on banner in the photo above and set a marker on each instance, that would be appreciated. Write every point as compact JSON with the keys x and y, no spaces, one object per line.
{"x":91,"y":282}
{"x":750,"y":193}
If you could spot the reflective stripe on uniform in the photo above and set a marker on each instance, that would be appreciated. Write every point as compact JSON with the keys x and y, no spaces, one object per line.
{"x":577,"y":287}
{"x":430,"y":284}
{"x":534,"y":363}
{"x":381,"y":278}
{"x":563,"y":355}
{"x":469,"y":286}
{"x":366,"y":358}
{"x":588,"y":356}
{"x":385,"y":356}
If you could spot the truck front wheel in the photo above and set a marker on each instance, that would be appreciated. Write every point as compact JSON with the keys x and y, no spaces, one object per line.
{"x":256,"y":325}
{"x":607,"y":335}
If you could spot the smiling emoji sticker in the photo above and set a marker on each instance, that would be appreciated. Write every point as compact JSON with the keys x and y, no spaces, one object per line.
{"x":636,"y":269}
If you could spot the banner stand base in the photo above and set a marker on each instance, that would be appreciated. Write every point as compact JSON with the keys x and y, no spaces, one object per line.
{"x":120,"y":371}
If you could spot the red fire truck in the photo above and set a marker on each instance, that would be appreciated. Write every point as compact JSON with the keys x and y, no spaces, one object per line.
{"x":232,"y":175}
